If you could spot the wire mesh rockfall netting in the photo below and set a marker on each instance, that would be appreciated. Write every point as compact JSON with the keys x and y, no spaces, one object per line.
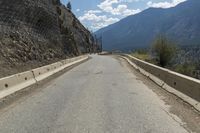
{"x":29,"y":17}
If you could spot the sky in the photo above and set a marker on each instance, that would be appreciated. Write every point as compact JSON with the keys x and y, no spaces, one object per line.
{"x":96,"y":14}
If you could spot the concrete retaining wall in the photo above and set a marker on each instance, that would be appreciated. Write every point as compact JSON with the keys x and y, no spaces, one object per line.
{"x":164,"y":77}
{"x":14,"y":83}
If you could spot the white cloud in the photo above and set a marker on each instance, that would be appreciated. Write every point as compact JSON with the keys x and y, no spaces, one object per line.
{"x":129,"y":1}
{"x":107,"y":21}
{"x":97,"y":21}
{"x":121,"y":9}
{"x":109,"y":12}
{"x":78,"y":10}
{"x":164,"y":4}
{"x":107,"y":5}
{"x":92,"y":17}
{"x":94,"y":11}
{"x":124,"y":11}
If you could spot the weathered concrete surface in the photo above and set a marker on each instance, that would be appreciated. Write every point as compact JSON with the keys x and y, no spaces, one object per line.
{"x":185,"y":84}
{"x":17,"y":83}
{"x":99,"y":96}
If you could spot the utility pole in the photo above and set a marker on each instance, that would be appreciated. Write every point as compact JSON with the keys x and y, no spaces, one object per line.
{"x":101,"y":42}
{"x":95,"y":42}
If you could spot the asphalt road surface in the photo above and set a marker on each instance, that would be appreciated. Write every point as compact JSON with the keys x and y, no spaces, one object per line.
{"x":101,"y":95}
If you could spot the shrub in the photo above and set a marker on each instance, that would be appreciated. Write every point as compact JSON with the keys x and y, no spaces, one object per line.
{"x":186,"y":69}
{"x":164,"y":50}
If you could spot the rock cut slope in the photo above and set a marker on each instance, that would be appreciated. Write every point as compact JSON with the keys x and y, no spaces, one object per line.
{"x":38,"y":32}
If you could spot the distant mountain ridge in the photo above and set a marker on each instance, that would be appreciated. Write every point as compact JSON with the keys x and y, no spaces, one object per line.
{"x":180,"y":23}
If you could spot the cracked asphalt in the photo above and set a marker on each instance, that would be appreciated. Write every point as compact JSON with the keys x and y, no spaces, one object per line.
{"x":101,"y":95}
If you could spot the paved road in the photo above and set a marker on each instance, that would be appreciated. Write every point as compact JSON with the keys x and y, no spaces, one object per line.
{"x":98,"y":96}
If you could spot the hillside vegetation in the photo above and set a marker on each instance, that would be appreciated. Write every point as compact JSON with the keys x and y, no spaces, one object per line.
{"x":166,"y":53}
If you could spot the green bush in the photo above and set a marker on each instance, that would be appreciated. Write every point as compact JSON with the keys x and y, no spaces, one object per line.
{"x":164,"y":50}
{"x":186,"y":69}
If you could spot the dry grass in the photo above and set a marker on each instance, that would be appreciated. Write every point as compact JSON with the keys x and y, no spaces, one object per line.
{"x":142,"y":56}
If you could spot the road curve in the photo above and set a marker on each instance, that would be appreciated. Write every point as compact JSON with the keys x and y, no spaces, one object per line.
{"x":101,"y":95}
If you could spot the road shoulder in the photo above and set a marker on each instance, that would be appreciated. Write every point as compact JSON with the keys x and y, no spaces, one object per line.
{"x":23,"y":94}
{"x":177,"y":107}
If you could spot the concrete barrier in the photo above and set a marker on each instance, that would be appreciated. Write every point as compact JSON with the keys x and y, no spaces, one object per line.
{"x":46,"y":71}
{"x":168,"y":79}
{"x":14,"y":83}
{"x":43,"y":72}
{"x":11,"y":84}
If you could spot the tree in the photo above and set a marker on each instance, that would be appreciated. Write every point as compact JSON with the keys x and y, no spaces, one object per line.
{"x":69,"y":6}
{"x":164,"y":50}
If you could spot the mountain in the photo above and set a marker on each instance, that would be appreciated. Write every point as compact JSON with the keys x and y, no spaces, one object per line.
{"x":181,"y":24}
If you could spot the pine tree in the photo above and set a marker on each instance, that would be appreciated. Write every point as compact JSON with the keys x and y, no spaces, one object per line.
{"x":69,"y":6}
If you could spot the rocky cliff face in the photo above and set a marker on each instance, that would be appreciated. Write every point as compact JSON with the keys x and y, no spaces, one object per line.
{"x":38,"y":32}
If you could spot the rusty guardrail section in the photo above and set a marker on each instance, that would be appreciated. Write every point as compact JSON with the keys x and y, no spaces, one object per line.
{"x":14,"y":83}
{"x":185,"y":87}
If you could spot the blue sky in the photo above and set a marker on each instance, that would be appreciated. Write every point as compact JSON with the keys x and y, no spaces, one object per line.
{"x":96,"y":14}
